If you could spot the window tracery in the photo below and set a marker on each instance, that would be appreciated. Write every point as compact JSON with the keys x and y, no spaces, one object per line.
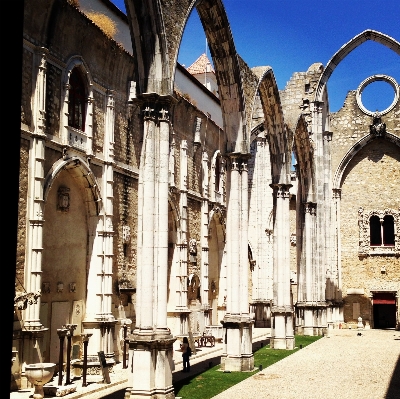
{"x":379,"y":232}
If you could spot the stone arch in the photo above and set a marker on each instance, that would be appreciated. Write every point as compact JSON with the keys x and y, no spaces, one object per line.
{"x":356,"y":41}
{"x":157,"y":30}
{"x":338,"y":178}
{"x":77,"y":61}
{"x":278,"y":135}
{"x":80,"y":171}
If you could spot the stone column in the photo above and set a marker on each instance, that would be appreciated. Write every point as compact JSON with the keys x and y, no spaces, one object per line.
{"x":260,"y":208}
{"x":307,"y":295}
{"x":237,"y":355}
{"x":183,"y":245}
{"x":161,"y":269}
{"x":322,"y":170}
{"x":282,"y":334}
{"x":205,"y":284}
{"x":99,"y":318}
{"x":337,"y":264}
{"x":150,"y":344}
{"x":35,"y":200}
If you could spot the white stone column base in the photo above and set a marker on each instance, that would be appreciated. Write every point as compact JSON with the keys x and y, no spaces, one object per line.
{"x":238,"y":354}
{"x":151,"y":365}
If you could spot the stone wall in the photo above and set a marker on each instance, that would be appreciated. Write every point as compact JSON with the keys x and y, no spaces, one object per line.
{"x":53,"y":99}
{"x":22,"y":209}
{"x":370,"y":181}
{"x":350,"y":124}
{"x":98,"y":122}
{"x":26,"y":107}
{"x":125,"y":214}
{"x":298,"y":93}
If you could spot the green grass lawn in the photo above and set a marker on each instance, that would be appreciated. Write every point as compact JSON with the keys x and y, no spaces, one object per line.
{"x":213,"y":381}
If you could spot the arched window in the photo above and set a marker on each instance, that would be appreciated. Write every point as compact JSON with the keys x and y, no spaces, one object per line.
{"x":375,"y":230}
{"x":382,"y":233}
{"x":76,"y":101}
{"x":388,"y":230}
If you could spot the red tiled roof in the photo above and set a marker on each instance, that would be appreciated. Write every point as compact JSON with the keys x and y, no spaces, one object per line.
{"x":201,"y":65}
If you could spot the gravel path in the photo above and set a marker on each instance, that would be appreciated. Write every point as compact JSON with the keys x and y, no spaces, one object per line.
{"x":343,"y":365}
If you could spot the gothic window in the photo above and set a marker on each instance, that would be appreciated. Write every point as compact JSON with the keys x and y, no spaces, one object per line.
{"x":382,"y":231}
{"x":379,"y":232}
{"x":375,"y":230}
{"x":76,"y":101}
{"x":388,"y":230}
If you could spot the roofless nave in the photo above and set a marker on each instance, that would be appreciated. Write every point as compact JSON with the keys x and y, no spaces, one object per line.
{"x":137,"y":208}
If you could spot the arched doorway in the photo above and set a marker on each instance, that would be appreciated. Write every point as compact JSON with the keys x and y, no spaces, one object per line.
{"x":65,"y":251}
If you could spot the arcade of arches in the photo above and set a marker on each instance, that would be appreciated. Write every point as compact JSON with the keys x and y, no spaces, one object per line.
{"x":137,"y":208}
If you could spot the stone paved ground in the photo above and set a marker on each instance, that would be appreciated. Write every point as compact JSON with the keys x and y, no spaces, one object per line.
{"x":343,"y":365}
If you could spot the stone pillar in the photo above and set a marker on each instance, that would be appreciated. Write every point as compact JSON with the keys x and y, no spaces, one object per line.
{"x":322,"y":195}
{"x":205,"y":283}
{"x":337,"y":264}
{"x":307,"y":295}
{"x":282,"y":334}
{"x":237,"y":355}
{"x":151,"y":343}
{"x":35,"y":200}
{"x":260,"y":207}
{"x":99,"y":317}
{"x":183,"y":260}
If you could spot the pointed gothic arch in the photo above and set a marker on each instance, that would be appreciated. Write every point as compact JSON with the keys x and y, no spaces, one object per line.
{"x":81,"y":171}
{"x":278,"y":135}
{"x":346,"y":49}
{"x":156,"y":46}
{"x":357,"y":147}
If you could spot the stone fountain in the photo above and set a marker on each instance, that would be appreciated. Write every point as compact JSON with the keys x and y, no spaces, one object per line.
{"x":39,"y":374}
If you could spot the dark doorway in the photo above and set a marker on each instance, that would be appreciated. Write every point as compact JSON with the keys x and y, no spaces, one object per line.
{"x":384,"y":308}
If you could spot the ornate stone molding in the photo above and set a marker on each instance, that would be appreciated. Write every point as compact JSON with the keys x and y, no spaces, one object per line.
{"x":365,"y":249}
{"x":23,"y":299}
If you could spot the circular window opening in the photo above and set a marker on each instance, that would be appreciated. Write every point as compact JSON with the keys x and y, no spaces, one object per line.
{"x":378,"y":96}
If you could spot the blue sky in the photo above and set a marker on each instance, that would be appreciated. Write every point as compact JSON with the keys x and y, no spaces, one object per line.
{"x":291,"y":35}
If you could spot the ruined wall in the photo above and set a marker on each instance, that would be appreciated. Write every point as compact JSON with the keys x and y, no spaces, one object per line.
{"x":298,"y":93}
{"x":370,"y":181}
{"x":350,"y":124}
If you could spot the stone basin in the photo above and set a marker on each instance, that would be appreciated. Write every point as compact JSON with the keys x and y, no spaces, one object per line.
{"x":39,"y":374}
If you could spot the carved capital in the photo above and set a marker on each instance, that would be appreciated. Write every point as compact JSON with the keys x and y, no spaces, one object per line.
{"x":337,"y":193}
{"x":281,"y":190}
{"x":310,"y":207}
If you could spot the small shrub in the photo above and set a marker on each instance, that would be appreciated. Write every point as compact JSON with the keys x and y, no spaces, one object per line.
{"x":106,"y":24}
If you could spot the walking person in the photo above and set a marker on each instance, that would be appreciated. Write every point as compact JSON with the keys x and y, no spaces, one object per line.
{"x":185,"y":349}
